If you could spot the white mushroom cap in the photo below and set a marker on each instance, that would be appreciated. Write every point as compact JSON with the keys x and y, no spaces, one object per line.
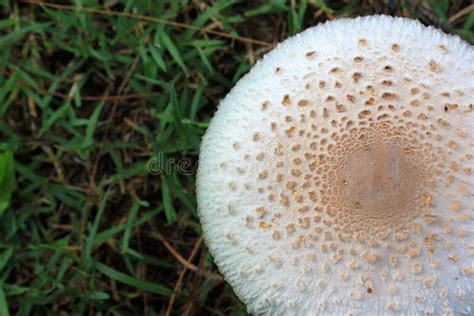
{"x":337,"y":176}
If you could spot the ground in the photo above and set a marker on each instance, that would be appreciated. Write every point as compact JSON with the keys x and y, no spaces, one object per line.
{"x":102,"y":110}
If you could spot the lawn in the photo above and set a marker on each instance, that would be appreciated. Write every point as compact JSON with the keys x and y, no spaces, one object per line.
{"x":103,"y":106}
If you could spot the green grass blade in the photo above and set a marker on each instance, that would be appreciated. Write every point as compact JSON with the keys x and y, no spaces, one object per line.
{"x":170,"y":212}
{"x":171,"y":48}
{"x":3,"y":302}
{"x":7,"y":179}
{"x":112,"y":232}
{"x":129,"y":226}
{"x":93,"y":231}
{"x":18,"y":34}
{"x":134,"y":282}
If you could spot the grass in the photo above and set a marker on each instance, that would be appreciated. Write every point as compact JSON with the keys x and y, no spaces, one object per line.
{"x":102,"y":110}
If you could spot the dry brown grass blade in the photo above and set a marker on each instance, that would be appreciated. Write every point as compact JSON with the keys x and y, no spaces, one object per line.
{"x":184,"y":262}
{"x":467,"y":10}
{"x":427,"y":15}
{"x":177,"y":287}
{"x":146,"y":19}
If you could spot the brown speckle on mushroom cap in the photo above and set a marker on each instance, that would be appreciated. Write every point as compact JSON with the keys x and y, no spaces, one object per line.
{"x":349,"y":173}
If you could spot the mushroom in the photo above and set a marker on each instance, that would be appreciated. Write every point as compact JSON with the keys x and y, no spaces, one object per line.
{"x":337,"y":175}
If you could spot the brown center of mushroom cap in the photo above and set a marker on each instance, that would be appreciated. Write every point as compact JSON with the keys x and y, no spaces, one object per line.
{"x":381,"y":181}
{"x":377,"y":178}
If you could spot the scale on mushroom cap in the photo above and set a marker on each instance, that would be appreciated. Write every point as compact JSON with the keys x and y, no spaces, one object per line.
{"x":336,"y":176}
